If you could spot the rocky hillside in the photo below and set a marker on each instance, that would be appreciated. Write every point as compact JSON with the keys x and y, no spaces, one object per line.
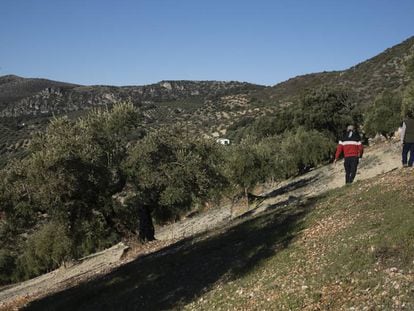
{"x":22,"y":97}
{"x":14,"y":88}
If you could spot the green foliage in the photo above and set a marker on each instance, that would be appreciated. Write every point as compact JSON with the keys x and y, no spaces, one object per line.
{"x":304,"y":149}
{"x":261,"y":127}
{"x":276,"y":157}
{"x":384,"y":116}
{"x":171,"y":172}
{"x":7,"y":266}
{"x":327,"y":110}
{"x":409,"y":67}
{"x":248,"y":163}
{"x":67,"y":183}
{"x":408,"y":99}
{"x":45,"y":249}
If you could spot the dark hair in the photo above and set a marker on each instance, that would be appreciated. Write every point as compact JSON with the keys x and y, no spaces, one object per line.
{"x":410,"y":114}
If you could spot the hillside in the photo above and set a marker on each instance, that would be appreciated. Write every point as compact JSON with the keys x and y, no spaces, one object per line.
{"x":386,"y":71}
{"x":302,"y":248}
{"x":32,"y":97}
{"x":202,"y":107}
{"x":206,"y":108}
{"x":14,"y":88}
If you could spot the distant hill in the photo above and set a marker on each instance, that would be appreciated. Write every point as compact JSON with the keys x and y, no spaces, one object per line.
{"x":21,"y":96}
{"x":14,"y":88}
{"x":386,"y":71}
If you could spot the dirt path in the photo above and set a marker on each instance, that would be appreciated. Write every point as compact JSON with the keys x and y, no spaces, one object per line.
{"x":377,"y":160}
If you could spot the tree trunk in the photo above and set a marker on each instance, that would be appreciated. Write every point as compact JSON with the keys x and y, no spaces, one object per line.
{"x":145,"y":224}
{"x":246,"y":195}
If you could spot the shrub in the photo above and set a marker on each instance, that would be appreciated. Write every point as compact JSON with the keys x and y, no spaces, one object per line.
{"x":7,"y":266}
{"x":45,"y":250}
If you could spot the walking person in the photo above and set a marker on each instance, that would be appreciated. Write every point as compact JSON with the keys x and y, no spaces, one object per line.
{"x":407,"y":140}
{"x":352,"y":149}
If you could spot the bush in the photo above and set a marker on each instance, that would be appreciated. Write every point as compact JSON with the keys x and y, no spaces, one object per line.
{"x":7,"y":266}
{"x":261,"y":127}
{"x":45,"y":250}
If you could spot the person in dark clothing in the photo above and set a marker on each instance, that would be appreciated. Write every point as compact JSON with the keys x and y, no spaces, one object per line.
{"x":407,"y":140}
{"x":352,"y":149}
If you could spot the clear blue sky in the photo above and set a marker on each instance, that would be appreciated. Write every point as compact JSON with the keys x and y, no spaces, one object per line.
{"x":135,"y":42}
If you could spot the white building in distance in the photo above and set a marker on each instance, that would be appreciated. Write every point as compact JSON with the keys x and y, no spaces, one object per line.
{"x":223,"y":141}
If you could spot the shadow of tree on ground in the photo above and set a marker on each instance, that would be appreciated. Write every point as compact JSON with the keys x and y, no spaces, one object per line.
{"x":292,"y":186}
{"x":180,"y":273}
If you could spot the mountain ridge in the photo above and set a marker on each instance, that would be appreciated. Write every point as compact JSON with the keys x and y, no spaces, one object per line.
{"x":365,"y":77}
{"x":26,"y":96}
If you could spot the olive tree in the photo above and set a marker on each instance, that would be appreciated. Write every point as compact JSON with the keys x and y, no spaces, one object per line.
{"x":68,"y":179}
{"x":248,"y":163}
{"x":327,"y":110}
{"x":170,"y":173}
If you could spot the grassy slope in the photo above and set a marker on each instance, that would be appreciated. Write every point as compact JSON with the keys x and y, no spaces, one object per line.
{"x":351,"y":248}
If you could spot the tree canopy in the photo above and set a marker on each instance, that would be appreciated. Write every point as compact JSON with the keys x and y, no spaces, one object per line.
{"x":171,"y":172}
{"x":66,"y":183}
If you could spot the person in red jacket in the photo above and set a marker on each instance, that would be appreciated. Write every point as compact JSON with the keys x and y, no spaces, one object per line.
{"x":352,"y":149}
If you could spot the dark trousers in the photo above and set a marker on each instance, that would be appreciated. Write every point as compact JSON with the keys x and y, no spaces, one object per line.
{"x":408,"y":147}
{"x":351,"y":165}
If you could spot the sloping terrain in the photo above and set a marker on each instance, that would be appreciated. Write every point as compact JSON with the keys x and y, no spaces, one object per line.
{"x":386,"y":71}
{"x":220,"y":250}
{"x":32,"y":97}
{"x":14,"y":88}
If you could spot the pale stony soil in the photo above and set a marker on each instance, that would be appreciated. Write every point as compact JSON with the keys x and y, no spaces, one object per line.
{"x":47,"y":282}
{"x":377,"y":160}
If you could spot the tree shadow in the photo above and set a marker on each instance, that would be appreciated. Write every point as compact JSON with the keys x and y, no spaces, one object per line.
{"x":180,"y":273}
{"x":292,"y":186}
